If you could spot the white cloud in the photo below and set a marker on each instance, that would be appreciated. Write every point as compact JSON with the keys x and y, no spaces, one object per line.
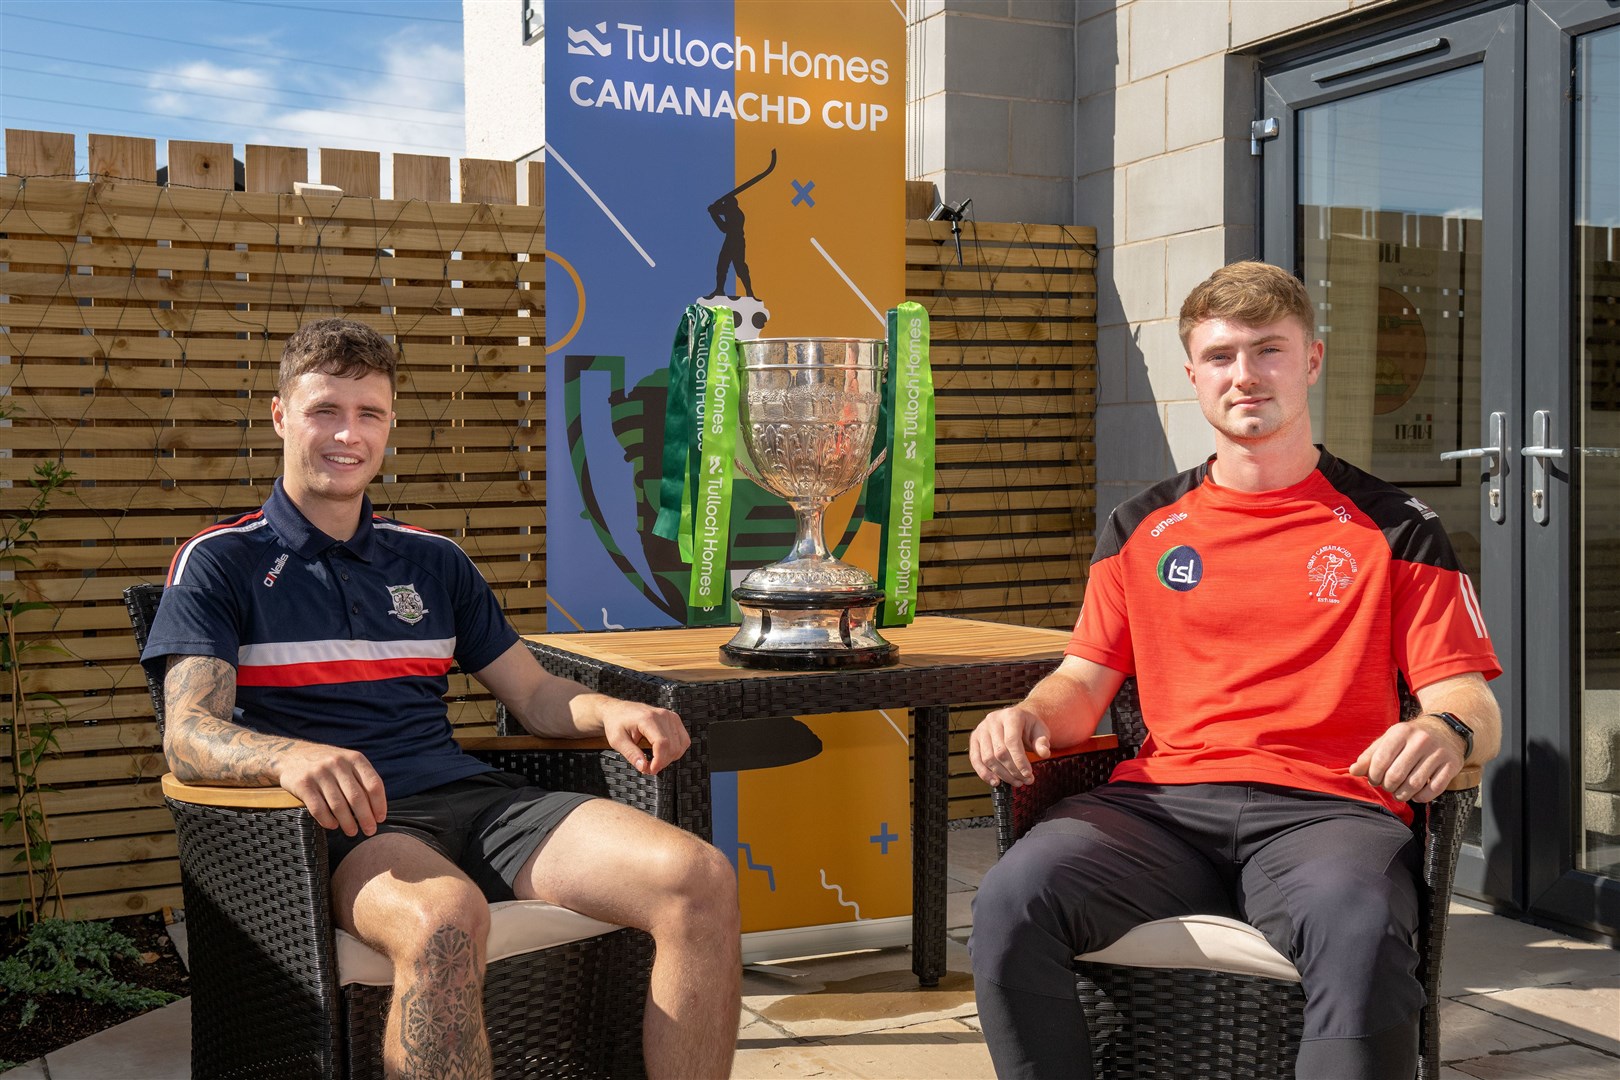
{"x":415,"y":106}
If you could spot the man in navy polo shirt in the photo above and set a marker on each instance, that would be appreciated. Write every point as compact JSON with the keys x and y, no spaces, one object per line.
{"x":308,"y":645}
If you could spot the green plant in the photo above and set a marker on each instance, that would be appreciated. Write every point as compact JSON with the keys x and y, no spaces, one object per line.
{"x":72,"y":959}
{"x":33,"y":735}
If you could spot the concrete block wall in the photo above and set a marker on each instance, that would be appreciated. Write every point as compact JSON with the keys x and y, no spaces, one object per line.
{"x":1158,"y":125}
{"x":991,"y":105}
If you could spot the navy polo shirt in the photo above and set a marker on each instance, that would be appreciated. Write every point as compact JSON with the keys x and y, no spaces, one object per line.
{"x":348,"y":643}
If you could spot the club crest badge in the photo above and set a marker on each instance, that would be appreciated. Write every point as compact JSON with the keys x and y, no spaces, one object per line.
{"x":1334,"y":570}
{"x":408,"y":606}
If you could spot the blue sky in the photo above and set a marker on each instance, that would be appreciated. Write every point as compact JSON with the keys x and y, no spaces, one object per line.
{"x":353,"y":74}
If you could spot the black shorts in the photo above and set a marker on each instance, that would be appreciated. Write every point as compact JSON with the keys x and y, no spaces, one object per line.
{"x":487,"y":825}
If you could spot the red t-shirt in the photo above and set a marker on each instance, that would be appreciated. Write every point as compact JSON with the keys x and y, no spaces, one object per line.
{"x":1265,"y":630}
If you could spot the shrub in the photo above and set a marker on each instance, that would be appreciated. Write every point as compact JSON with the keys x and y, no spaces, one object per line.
{"x":72,"y":959}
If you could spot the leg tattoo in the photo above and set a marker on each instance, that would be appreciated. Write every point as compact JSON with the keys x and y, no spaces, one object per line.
{"x":441,"y":1016}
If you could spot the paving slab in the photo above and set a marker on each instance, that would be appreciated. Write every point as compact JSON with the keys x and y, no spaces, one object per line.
{"x":1587,"y":1012}
{"x":1564,"y":1062}
{"x":31,"y":1070}
{"x":855,"y":993}
{"x":1467,"y":1032}
{"x":959,"y":909}
{"x":153,"y":1046}
{"x":1486,"y":952}
{"x":942,"y":1049}
{"x":971,"y":853}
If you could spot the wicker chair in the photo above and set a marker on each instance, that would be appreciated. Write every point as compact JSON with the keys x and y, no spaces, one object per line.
{"x":1205,"y":996}
{"x":277,"y":993}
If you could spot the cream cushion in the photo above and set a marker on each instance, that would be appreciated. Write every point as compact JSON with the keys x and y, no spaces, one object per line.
{"x":1207,"y":942}
{"x":515,"y":927}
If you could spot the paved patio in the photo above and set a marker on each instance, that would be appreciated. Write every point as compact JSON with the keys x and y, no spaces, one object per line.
{"x":1521,"y":1003}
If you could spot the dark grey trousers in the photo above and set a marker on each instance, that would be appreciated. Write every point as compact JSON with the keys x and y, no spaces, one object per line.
{"x":1330,"y":882}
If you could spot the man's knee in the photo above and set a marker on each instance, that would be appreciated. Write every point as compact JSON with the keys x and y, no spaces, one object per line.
{"x":442,"y":929}
{"x":1017,"y":916}
{"x":691,"y":883}
{"x":1346,"y":903}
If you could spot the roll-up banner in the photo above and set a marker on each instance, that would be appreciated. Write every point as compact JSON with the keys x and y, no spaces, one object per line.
{"x":746,"y":156}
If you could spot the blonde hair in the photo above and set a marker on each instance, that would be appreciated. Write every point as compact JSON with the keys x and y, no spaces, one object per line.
{"x":1252,"y":293}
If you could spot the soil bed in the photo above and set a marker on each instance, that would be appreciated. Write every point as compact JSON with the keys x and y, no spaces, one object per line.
{"x":63,"y":1020}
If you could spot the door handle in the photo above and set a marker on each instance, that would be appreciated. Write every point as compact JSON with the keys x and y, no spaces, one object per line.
{"x":1495,"y":457}
{"x":1539,"y":454}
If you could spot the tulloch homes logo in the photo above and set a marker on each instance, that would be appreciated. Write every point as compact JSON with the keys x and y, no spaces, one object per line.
{"x":1181,"y":569}
{"x":585,"y":43}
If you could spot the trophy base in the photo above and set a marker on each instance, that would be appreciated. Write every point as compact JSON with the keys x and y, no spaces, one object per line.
{"x":813,"y":631}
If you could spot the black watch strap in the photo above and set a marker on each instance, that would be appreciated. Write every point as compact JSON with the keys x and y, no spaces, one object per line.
{"x":1455,"y":723}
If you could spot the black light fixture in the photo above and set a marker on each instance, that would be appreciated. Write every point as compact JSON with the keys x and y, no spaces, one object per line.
{"x":944,"y":211}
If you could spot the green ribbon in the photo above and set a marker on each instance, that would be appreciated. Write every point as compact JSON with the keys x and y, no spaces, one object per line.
{"x":678,"y":479}
{"x":711,"y":514}
{"x":904,"y":496}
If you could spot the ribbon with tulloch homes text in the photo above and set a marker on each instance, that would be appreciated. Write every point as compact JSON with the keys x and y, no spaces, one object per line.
{"x":711,"y":513}
{"x":904,"y":495}
{"x":687,"y":375}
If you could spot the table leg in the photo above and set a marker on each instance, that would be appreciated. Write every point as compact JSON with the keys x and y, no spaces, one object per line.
{"x":930,"y":747}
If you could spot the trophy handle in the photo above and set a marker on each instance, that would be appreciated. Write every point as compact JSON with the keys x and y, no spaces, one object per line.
{"x":750,"y":473}
{"x":883,"y":455}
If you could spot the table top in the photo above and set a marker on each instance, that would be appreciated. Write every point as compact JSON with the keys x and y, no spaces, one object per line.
{"x":692,"y":654}
{"x":943,"y":661}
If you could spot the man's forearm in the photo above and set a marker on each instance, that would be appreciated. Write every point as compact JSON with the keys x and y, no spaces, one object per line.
{"x":200,"y":746}
{"x":1071,"y":702}
{"x":1471,"y":700}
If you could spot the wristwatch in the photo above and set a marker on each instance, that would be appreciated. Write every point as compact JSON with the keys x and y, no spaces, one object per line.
{"x":1455,"y":723}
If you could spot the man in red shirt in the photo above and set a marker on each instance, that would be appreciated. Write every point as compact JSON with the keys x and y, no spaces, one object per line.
{"x":1265,"y":601}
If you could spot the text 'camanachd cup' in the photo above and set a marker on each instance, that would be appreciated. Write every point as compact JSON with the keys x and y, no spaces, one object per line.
{"x":810,"y":409}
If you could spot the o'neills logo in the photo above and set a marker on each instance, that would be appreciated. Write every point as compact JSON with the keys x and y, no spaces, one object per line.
{"x":1334,"y":570}
{"x":275,"y":571}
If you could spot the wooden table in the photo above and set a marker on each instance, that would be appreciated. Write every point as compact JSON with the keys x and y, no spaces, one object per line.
{"x":943,"y":662}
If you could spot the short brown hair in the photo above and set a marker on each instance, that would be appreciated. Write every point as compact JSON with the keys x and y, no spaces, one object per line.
{"x":340,"y":347}
{"x":1252,"y":293}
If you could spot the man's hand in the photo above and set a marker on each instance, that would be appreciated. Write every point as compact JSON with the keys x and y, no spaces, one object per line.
{"x":340,"y":788}
{"x":559,"y":708}
{"x":628,"y":724}
{"x":1000,"y":747}
{"x":203,"y":746}
{"x":1413,"y":761}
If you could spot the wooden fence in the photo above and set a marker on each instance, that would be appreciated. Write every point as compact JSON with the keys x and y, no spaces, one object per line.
{"x":139,"y":338}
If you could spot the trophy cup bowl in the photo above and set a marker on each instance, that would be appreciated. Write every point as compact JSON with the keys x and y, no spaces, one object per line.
{"x":808,"y":413}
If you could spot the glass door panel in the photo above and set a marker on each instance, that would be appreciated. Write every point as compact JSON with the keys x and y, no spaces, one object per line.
{"x":1393,"y":189}
{"x":1595,"y":463}
{"x":1391,"y":195}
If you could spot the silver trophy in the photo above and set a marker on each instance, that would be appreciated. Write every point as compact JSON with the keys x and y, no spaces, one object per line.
{"x":809,"y":412}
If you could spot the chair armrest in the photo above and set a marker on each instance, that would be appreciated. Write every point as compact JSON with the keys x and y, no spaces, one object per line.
{"x":254,"y":872}
{"x":240,"y":798}
{"x":1467,"y":777}
{"x":490,"y":743}
{"x":1068,"y":772}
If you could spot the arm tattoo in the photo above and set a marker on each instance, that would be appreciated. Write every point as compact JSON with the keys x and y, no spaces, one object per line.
{"x":200,"y":741}
{"x":441,"y":1016}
